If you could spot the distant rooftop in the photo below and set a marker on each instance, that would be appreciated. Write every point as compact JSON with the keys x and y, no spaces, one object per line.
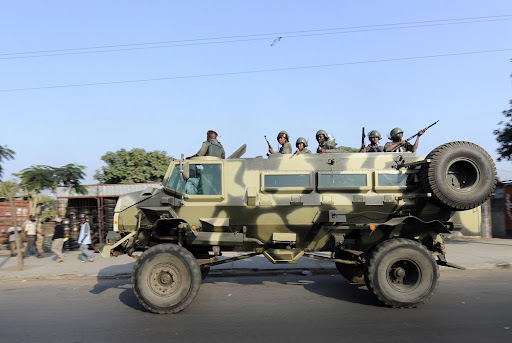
{"x":105,"y":190}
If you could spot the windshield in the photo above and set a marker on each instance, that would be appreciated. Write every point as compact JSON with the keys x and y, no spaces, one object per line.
{"x":205,"y":179}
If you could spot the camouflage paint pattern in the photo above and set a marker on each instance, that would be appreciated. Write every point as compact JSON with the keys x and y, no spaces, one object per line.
{"x":310,"y":202}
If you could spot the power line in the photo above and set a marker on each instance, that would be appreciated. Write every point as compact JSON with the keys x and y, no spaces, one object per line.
{"x":253,"y":71}
{"x":248,"y":38}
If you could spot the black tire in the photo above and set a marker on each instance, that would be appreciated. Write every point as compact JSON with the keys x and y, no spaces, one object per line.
{"x":401,"y":273}
{"x":166,"y":278}
{"x":352,"y":272}
{"x":461,"y":175}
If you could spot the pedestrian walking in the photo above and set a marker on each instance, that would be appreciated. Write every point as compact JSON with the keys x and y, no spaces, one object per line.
{"x":58,"y":240}
{"x":12,"y":239}
{"x":31,"y":230}
{"x":85,"y":239}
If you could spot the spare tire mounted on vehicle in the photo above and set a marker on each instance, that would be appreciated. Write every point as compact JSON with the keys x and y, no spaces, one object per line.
{"x":460,"y":176}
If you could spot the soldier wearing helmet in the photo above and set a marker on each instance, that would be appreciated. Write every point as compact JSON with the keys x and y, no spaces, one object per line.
{"x":211,"y":147}
{"x":284,"y":140}
{"x":325,"y":142}
{"x":397,"y":143}
{"x":374,"y":146}
{"x":301,"y":145}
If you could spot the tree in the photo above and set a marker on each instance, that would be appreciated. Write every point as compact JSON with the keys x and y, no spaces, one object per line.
{"x":36,"y":179}
{"x":504,"y":136}
{"x":135,"y":165}
{"x":8,"y":154}
{"x":5,"y":154}
{"x":9,"y":188}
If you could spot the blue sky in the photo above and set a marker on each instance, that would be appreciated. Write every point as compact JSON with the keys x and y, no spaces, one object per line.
{"x":344,"y":88}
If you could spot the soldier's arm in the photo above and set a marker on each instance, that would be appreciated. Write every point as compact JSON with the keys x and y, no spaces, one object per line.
{"x":415,"y":147}
{"x":394,"y":145}
{"x":203,"y":150}
{"x":363,"y":148}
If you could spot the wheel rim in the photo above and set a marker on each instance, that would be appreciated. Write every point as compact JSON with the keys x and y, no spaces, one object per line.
{"x":165,"y":279}
{"x":462,"y":175}
{"x":404,"y":275}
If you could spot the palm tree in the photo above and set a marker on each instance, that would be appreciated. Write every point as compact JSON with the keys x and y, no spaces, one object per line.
{"x":38,"y":178}
{"x":5,"y":154}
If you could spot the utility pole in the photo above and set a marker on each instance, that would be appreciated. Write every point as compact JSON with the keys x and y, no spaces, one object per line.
{"x":486,"y":225}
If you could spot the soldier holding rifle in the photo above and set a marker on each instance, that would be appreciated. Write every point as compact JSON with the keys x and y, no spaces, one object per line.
{"x":400,"y":145}
{"x":374,"y":142}
{"x":284,"y":140}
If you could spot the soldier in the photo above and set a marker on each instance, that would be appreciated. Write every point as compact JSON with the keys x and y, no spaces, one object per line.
{"x":374,"y":146}
{"x":284,"y":139}
{"x":211,"y":147}
{"x":399,"y":145}
{"x":301,"y":145}
{"x":325,"y":142}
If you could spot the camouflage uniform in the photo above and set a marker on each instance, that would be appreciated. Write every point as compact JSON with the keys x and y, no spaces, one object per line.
{"x":304,"y":151}
{"x":286,"y":148}
{"x":369,"y":148}
{"x":327,"y":145}
{"x":212,"y":148}
{"x":407,"y":147}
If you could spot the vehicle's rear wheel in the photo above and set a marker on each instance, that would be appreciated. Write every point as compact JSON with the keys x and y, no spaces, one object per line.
{"x":402,"y":273}
{"x":460,"y":176}
{"x":166,"y":278}
{"x":352,"y":272}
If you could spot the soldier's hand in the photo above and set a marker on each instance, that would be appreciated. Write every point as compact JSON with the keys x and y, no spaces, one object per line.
{"x":271,"y":150}
{"x":421,"y":132}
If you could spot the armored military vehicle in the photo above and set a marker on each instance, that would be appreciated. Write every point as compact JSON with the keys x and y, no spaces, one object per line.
{"x":381,"y":217}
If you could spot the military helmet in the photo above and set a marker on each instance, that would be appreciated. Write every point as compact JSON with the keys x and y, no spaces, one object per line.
{"x":301,"y":140}
{"x":321,"y":132}
{"x":395,"y":132}
{"x":284,"y":133}
{"x":375,"y":133}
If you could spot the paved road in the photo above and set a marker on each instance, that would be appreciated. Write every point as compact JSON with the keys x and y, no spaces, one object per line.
{"x":469,"y":306}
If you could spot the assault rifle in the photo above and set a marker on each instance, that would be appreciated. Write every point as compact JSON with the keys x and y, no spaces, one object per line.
{"x":408,"y":139}
{"x":363,"y":136}
{"x":269,"y":146}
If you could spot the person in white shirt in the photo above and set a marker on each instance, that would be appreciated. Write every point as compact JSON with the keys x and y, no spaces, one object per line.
{"x":85,"y":239}
{"x":30,"y":228}
{"x":12,"y":239}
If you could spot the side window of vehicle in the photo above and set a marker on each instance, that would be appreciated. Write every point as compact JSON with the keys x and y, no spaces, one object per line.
{"x":205,"y":179}
{"x":289,"y":182}
{"x":343,"y":181}
{"x":397,"y":180}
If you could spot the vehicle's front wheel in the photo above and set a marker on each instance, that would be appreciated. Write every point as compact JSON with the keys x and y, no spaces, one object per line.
{"x":402,"y":273}
{"x":166,"y":278}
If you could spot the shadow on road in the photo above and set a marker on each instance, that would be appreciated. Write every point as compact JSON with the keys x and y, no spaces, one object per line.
{"x":127,"y":297}
{"x":331,"y":286}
